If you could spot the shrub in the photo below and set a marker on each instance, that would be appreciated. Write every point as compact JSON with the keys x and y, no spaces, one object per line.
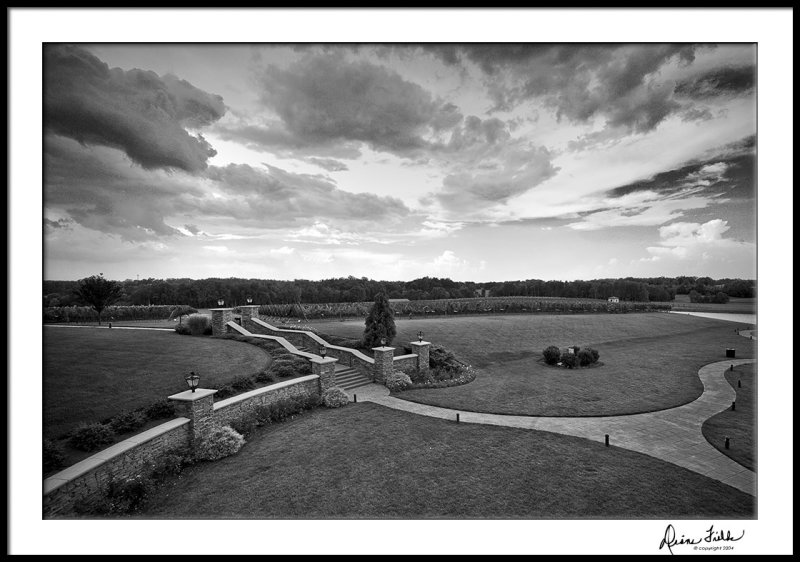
{"x":208,"y":331}
{"x":170,"y":464}
{"x":585,"y":358}
{"x":197,"y":324}
{"x":224,"y":391}
{"x":128,"y":495}
{"x":398,"y":381}
{"x":246,"y":424}
{"x":595,"y":354}
{"x":159,"y":410}
{"x":128,"y":421}
{"x":569,"y":360}
{"x":242,"y":383}
{"x":335,"y":398}
{"x":220,"y":443}
{"x":265,"y":377}
{"x":183,"y":330}
{"x":284,"y":370}
{"x":88,"y":437}
{"x":552,"y":355}
{"x":52,"y":456}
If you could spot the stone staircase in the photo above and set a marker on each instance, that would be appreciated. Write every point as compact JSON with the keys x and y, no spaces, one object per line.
{"x":347,"y":378}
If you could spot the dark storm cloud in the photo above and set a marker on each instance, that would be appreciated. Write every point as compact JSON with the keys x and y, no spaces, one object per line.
{"x":732,"y":176}
{"x":273,"y":197}
{"x":727,"y":81}
{"x":324,"y":98}
{"x":487,"y":183}
{"x":57,"y":224}
{"x":97,"y":188}
{"x":328,"y":164}
{"x":135,"y":111}
{"x":580,"y":82}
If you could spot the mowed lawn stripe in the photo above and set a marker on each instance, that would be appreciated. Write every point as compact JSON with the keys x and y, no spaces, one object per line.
{"x":649,"y":361}
{"x":739,"y":424}
{"x":366,"y":461}
{"x":94,"y":373}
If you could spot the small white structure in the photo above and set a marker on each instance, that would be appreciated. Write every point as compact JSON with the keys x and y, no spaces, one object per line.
{"x":613,"y":299}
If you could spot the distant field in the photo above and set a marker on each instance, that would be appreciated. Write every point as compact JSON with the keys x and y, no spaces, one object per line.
{"x":650,"y":361}
{"x":736,"y":305}
{"x":94,"y":373}
{"x":369,"y":462}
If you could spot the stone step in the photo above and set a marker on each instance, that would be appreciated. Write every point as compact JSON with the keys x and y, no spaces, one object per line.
{"x":355,"y":384}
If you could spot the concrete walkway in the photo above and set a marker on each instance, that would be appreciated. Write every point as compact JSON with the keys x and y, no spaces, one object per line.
{"x":672,"y":435}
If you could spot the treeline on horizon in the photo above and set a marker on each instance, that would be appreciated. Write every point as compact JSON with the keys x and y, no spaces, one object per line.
{"x":204,"y":293}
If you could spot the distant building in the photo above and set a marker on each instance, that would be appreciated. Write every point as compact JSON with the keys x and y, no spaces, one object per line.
{"x":482,"y":292}
{"x":613,"y":299}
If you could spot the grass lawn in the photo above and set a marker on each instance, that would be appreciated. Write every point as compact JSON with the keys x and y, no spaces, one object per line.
{"x":366,"y":461}
{"x":739,"y":425}
{"x":650,"y":360}
{"x":94,"y":373}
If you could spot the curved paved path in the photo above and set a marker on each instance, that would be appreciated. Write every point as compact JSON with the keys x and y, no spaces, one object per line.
{"x":673,"y":435}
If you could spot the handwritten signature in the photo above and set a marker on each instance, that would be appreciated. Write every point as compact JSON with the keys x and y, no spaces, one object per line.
{"x":671,"y":538}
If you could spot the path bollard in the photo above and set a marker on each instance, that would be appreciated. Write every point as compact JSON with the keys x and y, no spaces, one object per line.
{"x":731,"y":366}
{"x":727,"y":442}
{"x":606,"y":439}
{"x":740,"y":383}
{"x":733,"y":405}
{"x":458,"y":418}
{"x":355,"y":398}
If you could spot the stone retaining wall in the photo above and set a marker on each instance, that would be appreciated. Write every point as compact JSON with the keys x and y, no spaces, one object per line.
{"x":88,"y":480}
{"x":236,"y":407}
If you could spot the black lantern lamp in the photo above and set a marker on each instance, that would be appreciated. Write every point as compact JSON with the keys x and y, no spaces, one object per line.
{"x":220,"y":302}
{"x":193,"y":380}
{"x":322,"y":351}
{"x":420,"y":335}
{"x":383,"y":342}
{"x":249,"y":300}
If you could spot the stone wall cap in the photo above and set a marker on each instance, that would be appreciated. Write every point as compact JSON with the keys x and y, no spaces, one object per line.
{"x":420,"y":343}
{"x":252,"y":393}
{"x":189,"y":396}
{"x":223,"y":309}
{"x":408,"y":356}
{"x":383,"y":348}
{"x":324,"y":360}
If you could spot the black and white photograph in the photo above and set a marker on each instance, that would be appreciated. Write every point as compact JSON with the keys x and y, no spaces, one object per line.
{"x":306,"y":292}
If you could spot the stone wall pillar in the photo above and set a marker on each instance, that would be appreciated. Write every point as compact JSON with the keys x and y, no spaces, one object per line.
{"x":220,"y":317}
{"x":198,"y":406}
{"x":384,"y":364}
{"x":423,"y":351}
{"x":249,"y":311}
{"x":325,"y":367}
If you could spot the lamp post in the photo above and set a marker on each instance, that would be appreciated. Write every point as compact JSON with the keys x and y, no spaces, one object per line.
{"x":322,"y":351}
{"x":383,"y":342}
{"x":220,"y":302}
{"x":249,"y":300}
{"x":420,"y":335}
{"x":192,"y":380}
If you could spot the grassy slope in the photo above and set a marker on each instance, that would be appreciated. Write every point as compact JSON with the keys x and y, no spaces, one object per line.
{"x":650,"y":361}
{"x":91,"y":374}
{"x":365,"y":461}
{"x":739,"y":425}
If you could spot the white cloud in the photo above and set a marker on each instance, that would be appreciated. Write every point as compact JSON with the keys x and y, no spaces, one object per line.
{"x":218,"y":249}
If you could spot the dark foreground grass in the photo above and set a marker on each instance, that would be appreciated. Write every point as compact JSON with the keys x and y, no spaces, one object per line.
{"x":366,"y":461}
{"x":94,"y":373}
{"x":739,"y":424}
{"x":650,"y":361}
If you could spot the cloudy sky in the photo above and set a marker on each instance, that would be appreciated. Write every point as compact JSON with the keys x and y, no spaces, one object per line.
{"x":476,"y":162}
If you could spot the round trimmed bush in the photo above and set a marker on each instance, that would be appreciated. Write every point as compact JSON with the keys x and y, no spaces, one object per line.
{"x":585,"y":358}
{"x":221,"y":442}
{"x":595,"y":354}
{"x":335,"y":398}
{"x":183,"y":330}
{"x":88,"y":437}
{"x":159,"y":410}
{"x":552,"y":355}
{"x":569,"y":360}
{"x":265,"y":377}
{"x":398,"y":381}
